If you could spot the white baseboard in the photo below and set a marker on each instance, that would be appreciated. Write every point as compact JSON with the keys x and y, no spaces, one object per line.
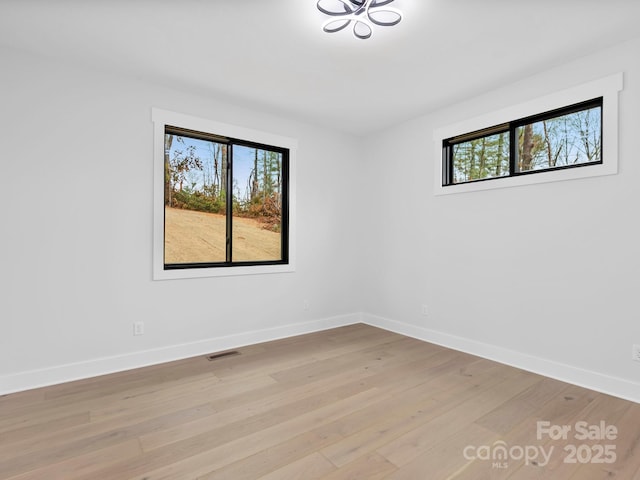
{"x":617,"y":387}
{"x":100,"y":366}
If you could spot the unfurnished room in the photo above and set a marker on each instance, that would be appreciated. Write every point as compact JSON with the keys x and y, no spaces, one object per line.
{"x":319,"y":240}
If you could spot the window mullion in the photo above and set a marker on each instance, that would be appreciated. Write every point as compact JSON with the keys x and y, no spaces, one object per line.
{"x":229,"y":201}
{"x":513,"y":152}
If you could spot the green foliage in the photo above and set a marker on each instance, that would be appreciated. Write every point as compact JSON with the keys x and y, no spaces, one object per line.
{"x":190,"y":200}
{"x":481,"y":158}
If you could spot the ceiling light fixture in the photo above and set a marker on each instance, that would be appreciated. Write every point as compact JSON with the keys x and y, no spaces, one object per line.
{"x":363,"y":13}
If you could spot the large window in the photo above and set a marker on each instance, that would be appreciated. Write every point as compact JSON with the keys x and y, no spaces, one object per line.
{"x":563,"y":138}
{"x":225,"y":201}
{"x":566,"y":135}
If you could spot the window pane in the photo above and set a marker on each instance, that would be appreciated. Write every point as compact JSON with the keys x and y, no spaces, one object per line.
{"x":257,"y":204}
{"x":485,"y":157}
{"x":194,"y":199}
{"x":570,"y":139}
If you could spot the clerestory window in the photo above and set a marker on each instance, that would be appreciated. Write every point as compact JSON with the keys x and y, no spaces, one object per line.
{"x":567,"y":137}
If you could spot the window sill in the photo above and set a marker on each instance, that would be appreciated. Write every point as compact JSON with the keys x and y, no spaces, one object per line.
{"x":221,"y":271}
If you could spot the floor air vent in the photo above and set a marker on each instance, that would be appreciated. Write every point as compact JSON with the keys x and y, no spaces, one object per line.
{"x":216,"y":356}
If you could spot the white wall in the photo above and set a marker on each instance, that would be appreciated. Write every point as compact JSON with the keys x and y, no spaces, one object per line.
{"x":541,"y":276}
{"x":76,"y":244}
{"x":544,"y":276}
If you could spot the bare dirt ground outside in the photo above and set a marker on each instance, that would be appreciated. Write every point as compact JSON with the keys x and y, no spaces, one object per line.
{"x":192,"y":236}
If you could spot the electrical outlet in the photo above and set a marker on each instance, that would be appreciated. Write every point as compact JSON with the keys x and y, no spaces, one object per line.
{"x":635,"y":353}
{"x":424,"y":310}
{"x":138,"y":328}
{"x":305,"y":305}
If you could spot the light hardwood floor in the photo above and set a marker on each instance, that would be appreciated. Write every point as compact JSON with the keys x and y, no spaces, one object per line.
{"x":350,"y":403}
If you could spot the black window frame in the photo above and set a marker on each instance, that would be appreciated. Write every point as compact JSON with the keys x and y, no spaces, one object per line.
{"x":284,"y":228}
{"x":511,"y":128}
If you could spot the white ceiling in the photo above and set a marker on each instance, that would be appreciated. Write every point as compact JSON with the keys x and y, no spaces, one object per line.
{"x":272,"y":54}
